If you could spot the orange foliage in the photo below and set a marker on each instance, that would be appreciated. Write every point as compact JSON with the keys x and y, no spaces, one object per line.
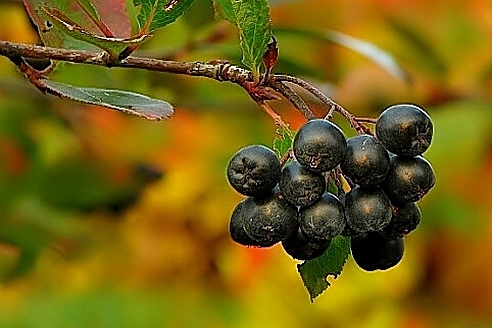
{"x":171,"y":243}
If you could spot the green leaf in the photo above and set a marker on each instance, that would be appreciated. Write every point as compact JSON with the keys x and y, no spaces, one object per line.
{"x":365,"y":48}
{"x":314,"y":273}
{"x":252,"y":18}
{"x":113,"y":46}
{"x":89,"y":8}
{"x":155,"y":14}
{"x":283,"y":140}
{"x":92,"y":13}
{"x":332,"y":187}
{"x":128,"y":102}
{"x":50,"y":37}
{"x":109,"y":18}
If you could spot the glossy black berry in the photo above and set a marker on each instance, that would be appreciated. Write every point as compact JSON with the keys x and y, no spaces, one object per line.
{"x":300,"y":186}
{"x":236,"y":227}
{"x":405,"y":129}
{"x":405,"y":219}
{"x":268,"y":220}
{"x":376,"y":251}
{"x":319,"y":145}
{"x":367,"y":210}
{"x":300,"y":248}
{"x":254,"y":170}
{"x":323,"y":220}
{"x":409,"y":179}
{"x":366,"y":162}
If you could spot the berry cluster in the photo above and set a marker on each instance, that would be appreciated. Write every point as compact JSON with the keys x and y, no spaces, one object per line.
{"x":386,"y":173}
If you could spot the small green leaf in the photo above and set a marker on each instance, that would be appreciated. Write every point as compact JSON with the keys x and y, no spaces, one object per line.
{"x":332,"y":187}
{"x":128,"y":102}
{"x":314,"y":273}
{"x":252,"y":18}
{"x":283,"y":140}
{"x":113,"y":46}
{"x":155,"y":14}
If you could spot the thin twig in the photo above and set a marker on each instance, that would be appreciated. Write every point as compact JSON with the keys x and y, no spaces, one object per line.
{"x":289,"y":154}
{"x":294,"y":98}
{"x":217,"y":70}
{"x":276,"y":117}
{"x":312,"y":89}
{"x":369,"y":120}
{"x":332,"y":105}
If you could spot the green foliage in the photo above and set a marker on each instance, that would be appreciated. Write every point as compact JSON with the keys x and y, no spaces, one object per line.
{"x":283,"y":140}
{"x":314,"y":273}
{"x":124,"y":101}
{"x":332,"y":187}
{"x":52,"y":37}
{"x":114,"y":47}
{"x":155,"y":15}
{"x":252,"y":19}
{"x":89,"y":8}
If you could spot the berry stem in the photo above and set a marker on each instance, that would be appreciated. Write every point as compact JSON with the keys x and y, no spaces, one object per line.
{"x":369,"y":120}
{"x":276,"y":117}
{"x":289,"y":154}
{"x":293,"y":98}
{"x":312,"y":89}
{"x":332,"y":105}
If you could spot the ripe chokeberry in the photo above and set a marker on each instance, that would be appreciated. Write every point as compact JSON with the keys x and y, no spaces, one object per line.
{"x":386,"y":173}
{"x":236,"y":227}
{"x":376,"y":251}
{"x":301,"y":248}
{"x":268,"y":220}
{"x":367,"y":210}
{"x":323,"y":220}
{"x":405,"y":129}
{"x":254,"y":170}
{"x":319,"y":145}
{"x":405,"y":219}
{"x":366,"y":162}
{"x":300,"y":186}
{"x":409,"y":179}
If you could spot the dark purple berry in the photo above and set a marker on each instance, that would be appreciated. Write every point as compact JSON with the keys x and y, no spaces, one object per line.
{"x":367,"y":210}
{"x":376,"y":251}
{"x":409,"y":179}
{"x":323,"y":220}
{"x":405,"y":219}
{"x":301,"y":248}
{"x":268,"y":220}
{"x":300,"y":186}
{"x":236,"y":227}
{"x":254,"y":170}
{"x":319,"y":145}
{"x":366,"y":162}
{"x":405,"y":129}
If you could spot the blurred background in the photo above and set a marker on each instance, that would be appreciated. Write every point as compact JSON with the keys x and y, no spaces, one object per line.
{"x":107,"y":220}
